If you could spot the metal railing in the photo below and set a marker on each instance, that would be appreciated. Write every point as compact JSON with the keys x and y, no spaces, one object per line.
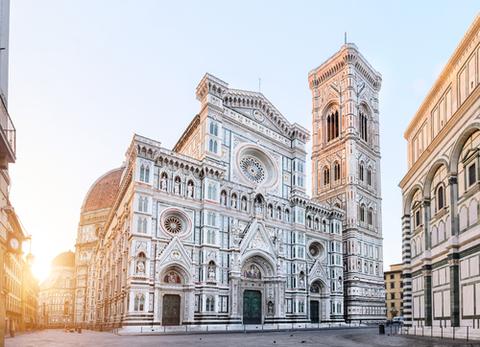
{"x":462,"y":332}
{"x":7,"y":127}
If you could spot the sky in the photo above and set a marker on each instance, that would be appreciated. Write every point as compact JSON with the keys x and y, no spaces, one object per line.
{"x":86,"y":75}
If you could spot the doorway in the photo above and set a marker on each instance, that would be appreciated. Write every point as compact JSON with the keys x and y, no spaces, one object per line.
{"x":171,"y":310}
{"x":252,"y":307}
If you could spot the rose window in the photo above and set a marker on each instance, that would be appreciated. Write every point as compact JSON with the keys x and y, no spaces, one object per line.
{"x":252,"y":169}
{"x":173,"y":224}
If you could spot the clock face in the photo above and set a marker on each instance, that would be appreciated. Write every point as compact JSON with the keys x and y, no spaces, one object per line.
{"x":14,"y":244}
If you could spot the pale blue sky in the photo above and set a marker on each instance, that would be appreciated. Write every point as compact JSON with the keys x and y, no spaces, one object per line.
{"x":86,"y":75}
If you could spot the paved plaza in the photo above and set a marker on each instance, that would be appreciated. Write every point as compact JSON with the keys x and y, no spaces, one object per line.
{"x":327,"y":337}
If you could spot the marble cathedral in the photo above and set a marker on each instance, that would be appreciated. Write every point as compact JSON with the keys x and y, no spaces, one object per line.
{"x":220,"y":230}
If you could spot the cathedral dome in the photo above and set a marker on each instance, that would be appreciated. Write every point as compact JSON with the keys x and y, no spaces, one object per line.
{"x":103,"y":192}
{"x":66,"y":259}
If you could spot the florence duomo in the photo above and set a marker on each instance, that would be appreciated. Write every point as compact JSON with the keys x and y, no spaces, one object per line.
{"x":201,"y":174}
{"x":221,"y":229}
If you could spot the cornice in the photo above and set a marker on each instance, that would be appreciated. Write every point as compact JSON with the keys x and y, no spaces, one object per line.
{"x":347,"y":55}
{"x":444,"y":75}
{"x":454,"y":120}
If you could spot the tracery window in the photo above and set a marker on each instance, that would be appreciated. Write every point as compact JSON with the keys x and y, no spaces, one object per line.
{"x":144,"y":173}
{"x":369,"y":176}
{"x":332,"y":126}
{"x":326,"y":176}
{"x":363,"y":120}
{"x":212,"y":146}
{"x":362,"y":213}
{"x":370,"y":217}
{"x":213,"y":128}
{"x":336,"y":171}
{"x":139,"y":303}
{"x":252,"y":169}
{"x":361,"y":171}
{"x":210,"y":304}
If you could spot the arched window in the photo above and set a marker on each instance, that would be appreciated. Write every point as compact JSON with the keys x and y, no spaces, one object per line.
{"x":326,"y":176}
{"x":140,"y":203}
{"x":279,"y":213}
{"x":324,"y":226}
{"x":147,"y":174}
{"x":336,"y":171}
{"x":362,"y":213}
{"x":213,"y":128}
{"x":361,"y":171}
{"x":212,"y":146}
{"x":270,"y":210}
{"x":287,"y":215}
{"x":309,"y":221}
{"x":139,"y":303}
{"x":363,"y":120}
{"x":332,"y":130}
{"x":142,"y":173}
{"x":210,"y":304}
{"x":369,"y":176}
{"x":440,"y":198}
{"x":370,"y":217}
{"x":317,"y":223}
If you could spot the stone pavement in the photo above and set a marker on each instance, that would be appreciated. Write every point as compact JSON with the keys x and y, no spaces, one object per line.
{"x":325,"y":337}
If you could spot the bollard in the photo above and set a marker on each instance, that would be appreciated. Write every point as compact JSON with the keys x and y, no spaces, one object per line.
{"x":453,"y":332}
{"x":467,"y":332}
{"x":441,"y":330}
{"x":423,"y":332}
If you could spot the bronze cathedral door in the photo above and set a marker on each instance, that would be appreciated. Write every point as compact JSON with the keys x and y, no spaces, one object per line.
{"x":252,"y":307}
{"x":171,"y":310}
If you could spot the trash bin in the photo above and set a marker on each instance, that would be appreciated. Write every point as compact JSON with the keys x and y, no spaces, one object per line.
{"x":381,"y":329}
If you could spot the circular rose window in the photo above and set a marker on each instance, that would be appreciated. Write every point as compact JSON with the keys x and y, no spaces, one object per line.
{"x":252,"y":169}
{"x":256,"y":166}
{"x":174,"y":221}
{"x":173,"y":224}
{"x":315,"y":249}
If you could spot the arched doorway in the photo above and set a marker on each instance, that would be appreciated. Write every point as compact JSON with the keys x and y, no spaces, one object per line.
{"x":317,"y":305}
{"x":171,"y":300}
{"x":257,"y":290}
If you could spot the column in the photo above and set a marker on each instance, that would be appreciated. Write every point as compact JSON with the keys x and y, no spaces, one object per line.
{"x":453,"y":257}
{"x":407,"y":273}
{"x":427,"y":292}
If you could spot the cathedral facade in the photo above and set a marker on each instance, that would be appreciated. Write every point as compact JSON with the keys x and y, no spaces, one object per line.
{"x":218,"y":230}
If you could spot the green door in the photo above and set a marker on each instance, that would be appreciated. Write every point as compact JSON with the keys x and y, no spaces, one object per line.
{"x":252,"y":307}
{"x":314,"y":314}
{"x":171,"y":310}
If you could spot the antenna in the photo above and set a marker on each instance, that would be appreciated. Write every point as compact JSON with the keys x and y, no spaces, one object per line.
{"x":345,"y":37}
{"x":259,"y":85}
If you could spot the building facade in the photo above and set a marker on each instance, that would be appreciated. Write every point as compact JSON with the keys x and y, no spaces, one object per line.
{"x":218,"y":230}
{"x":7,"y":156}
{"x":440,"y":224}
{"x":56,"y":296}
{"x":346,"y":171}
{"x":394,"y":291}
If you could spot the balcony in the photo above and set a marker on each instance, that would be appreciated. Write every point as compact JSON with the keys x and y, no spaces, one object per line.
{"x":8,"y":137}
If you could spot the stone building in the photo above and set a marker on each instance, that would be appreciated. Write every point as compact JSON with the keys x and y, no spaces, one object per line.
{"x":217,"y":230}
{"x":394,"y":291}
{"x":7,"y":156}
{"x":441,"y":194}
{"x":346,"y":171}
{"x":57,"y":293}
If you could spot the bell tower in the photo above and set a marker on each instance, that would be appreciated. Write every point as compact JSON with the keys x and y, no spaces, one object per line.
{"x":346,"y":171}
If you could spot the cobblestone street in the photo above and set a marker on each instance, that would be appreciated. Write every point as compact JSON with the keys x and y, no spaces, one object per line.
{"x":327,"y":337}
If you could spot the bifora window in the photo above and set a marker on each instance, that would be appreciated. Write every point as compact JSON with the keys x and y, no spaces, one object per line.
{"x":332,"y":126}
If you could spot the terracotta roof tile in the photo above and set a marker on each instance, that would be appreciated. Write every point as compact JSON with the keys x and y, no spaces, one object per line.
{"x":103,"y":192}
